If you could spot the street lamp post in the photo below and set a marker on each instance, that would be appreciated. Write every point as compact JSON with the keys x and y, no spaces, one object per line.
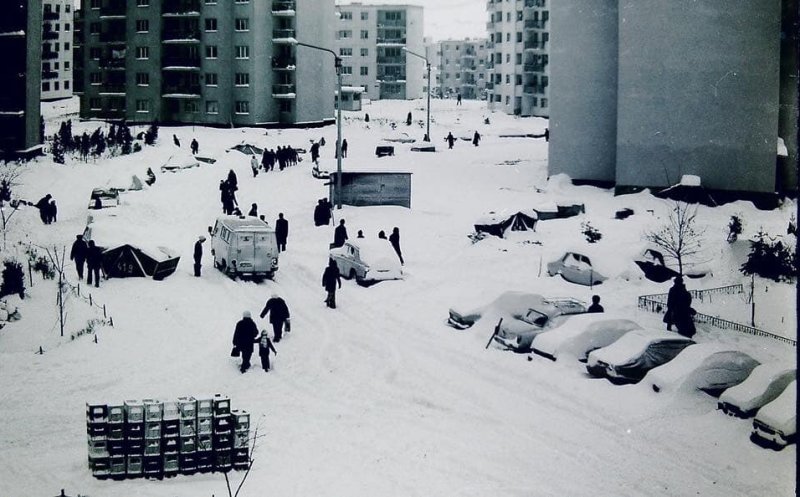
{"x":338,"y":64}
{"x":428,"y":66}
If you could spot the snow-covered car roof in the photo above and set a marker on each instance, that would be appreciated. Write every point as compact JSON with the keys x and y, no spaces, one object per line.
{"x":371,"y":251}
{"x":244,"y":223}
{"x":781,"y":413}
{"x":503,"y":214}
{"x":764,"y":384}
{"x":180,"y":161}
{"x":583,"y":333}
{"x":110,"y":232}
{"x":633,"y":344}
{"x":702,"y":366}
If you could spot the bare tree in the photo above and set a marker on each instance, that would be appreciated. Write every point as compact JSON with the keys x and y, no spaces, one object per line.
{"x":59,"y":262}
{"x":9,"y":174}
{"x":250,"y":462}
{"x":679,"y":237}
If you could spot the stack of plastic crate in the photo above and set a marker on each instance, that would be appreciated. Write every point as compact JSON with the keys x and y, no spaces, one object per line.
{"x":116,"y":440}
{"x":205,"y":430}
{"x":188,"y":435}
{"x":223,"y":434}
{"x":170,"y":437}
{"x":153,"y":458}
{"x":134,"y":437}
{"x":97,"y":433}
{"x":241,"y":439}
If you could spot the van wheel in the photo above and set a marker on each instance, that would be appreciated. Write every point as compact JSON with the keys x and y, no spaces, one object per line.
{"x":352,"y":274}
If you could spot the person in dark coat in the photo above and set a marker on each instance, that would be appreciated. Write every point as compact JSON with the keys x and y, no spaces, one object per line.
{"x":476,"y":138}
{"x":78,"y":254}
{"x":360,"y":234}
{"x":339,"y":234}
{"x":394,"y":239}
{"x":450,"y":140}
{"x":315,"y":153}
{"x":278,"y":315}
{"x":176,"y":140}
{"x":52,"y":212}
{"x":330,"y":278}
{"x":44,"y":208}
{"x":253,"y":210}
{"x":94,"y":261}
{"x":195,"y":146}
{"x":382,"y":235}
{"x":547,"y":134}
{"x":264,"y":346}
{"x":281,"y":232}
{"x":679,"y":309}
{"x":344,"y":147}
{"x":595,"y":307}
{"x":458,"y":99}
{"x":198,"y":254}
{"x":244,"y":336}
{"x":318,"y":214}
{"x":233,"y":182}
{"x":151,"y":177}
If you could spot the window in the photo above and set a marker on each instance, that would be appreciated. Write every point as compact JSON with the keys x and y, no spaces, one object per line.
{"x":285,"y":105}
{"x":95,"y":78}
{"x":67,"y":8}
{"x":519,"y":37}
{"x":143,"y":78}
{"x":346,"y":52}
{"x":364,"y":16}
{"x":57,"y":47}
{"x":142,"y":52}
{"x":242,"y":1}
{"x":94,"y":28}
{"x":66,"y":81}
{"x":66,"y":65}
{"x":242,"y":24}
{"x":508,"y":57}
{"x":95,"y":52}
{"x":211,"y":79}
{"x":95,"y":4}
{"x":365,"y":52}
{"x":347,"y":70}
{"x":191,"y":106}
{"x":211,"y":51}
{"x":211,"y":24}
{"x":57,"y":27}
{"x":508,"y":78}
{"x":242,"y":107}
{"x":519,"y":15}
{"x":508,"y":100}
{"x":345,"y":16}
{"x":458,"y":75}
{"x":344,"y":33}
{"x":544,"y":102}
{"x":508,"y":16}
{"x":519,"y":59}
{"x":364,"y":34}
{"x":143,"y":106}
{"x":212,"y":107}
{"x":66,"y":46}
{"x":55,"y":66}
{"x":211,"y":2}
{"x":242,"y":52}
{"x":55,"y":86}
{"x":94,"y":103}
{"x":518,"y":80}
{"x":142,"y":3}
{"x":364,"y":71}
{"x":508,"y":36}
{"x":242,"y":79}
{"x":66,"y":26}
{"x":45,"y":86}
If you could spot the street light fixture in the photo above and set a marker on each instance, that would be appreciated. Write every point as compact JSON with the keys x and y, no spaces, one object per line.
{"x":428,"y":66}
{"x":338,"y":64}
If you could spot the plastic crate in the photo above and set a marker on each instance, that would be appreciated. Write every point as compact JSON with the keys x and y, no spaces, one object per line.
{"x":223,"y":424}
{"x":100,"y":467}
{"x":241,"y":439}
{"x":241,"y":420}
{"x":134,"y":430}
{"x":134,"y":446}
{"x":188,"y":463}
{"x":171,"y":465}
{"x":171,"y":428}
{"x":171,"y":411}
{"x":204,"y":460}
{"x":188,"y":444}
{"x":223,"y":460}
{"x":170,"y":445}
{"x":153,"y":465}
{"x":152,"y":447}
{"x":96,"y":413}
{"x":223,"y":441}
{"x":134,"y":465}
{"x":152,"y":429}
{"x":187,"y":407}
{"x":116,"y":431}
{"x":117,"y":465}
{"x":116,"y":448}
{"x":116,"y":414}
{"x":97,"y":431}
{"x":204,"y":443}
{"x":222,"y":405}
{"x":134,"y":411}
{"x":188,"y":427}
{"x":205,"y":426}
{"x":241,"y":458}
{"x":98,"y":449}
{"x":205,"y":408}
{"x":153,"y":410}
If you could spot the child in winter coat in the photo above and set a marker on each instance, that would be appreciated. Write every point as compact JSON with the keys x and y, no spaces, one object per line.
{"x":264,"y":346}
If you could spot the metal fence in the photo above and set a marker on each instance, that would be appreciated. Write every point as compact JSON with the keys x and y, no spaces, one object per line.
{"x":658,"y":302}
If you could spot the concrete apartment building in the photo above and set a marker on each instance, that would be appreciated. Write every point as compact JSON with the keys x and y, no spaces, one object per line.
{"x":700,"y":96}
{"x":211,"y":62}
{"x":519,"y":35}
{"x":20,"y":79}
{"x":57,"y":50}
{"x":462,"y":68}
{"x":433,"y":54}
{"x":370,"y":39}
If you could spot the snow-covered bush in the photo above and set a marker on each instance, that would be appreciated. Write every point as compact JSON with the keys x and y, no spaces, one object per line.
{"x":734,"y":228}
{"x":40,"y":264}
{"x":13,"y":279}
{"x":590,"y":232}
{"x":770,"y":258}
{"x":151,"y":135}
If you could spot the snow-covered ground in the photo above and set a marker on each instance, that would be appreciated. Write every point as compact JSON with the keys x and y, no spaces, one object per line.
{"x":377,"y":397}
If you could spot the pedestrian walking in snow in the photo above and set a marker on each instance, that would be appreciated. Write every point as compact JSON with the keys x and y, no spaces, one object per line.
{"x":450,"y":140}
{"x":264,"y":346}
{"x":360,"y":234}
{"x":281,"y":232}
{"x":198,"y":254}
{"x":278,"y":316}
{"x":44,"y":208}
{"x":679,"y":309}
{"x":408,"y":119}
{"x":78,"y":254}
{"x":344,"y":148}
{"x":195,"y":146}
{"x":547,"y":134}
{"x":330,"y":278}
{"x":176,"y":140}
{"x":322,"y":213}
{"x":476,"y":138}
{"x":52,"y":212}
{"x":244,"y":337}
{"x":458,"y":99}
{"x":233,"y":182}
{"x":595,"y":307}
{"x":94,"y":261}
{"x":339,"y":234}
{"x":394,"y":239}
{"x":253,"y":210}
{"x":382,"y":235}
{"x":254,"y":165}
{"x":315,"y":153}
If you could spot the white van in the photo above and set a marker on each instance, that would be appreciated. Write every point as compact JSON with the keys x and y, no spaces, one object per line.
{"x":244,"y":246}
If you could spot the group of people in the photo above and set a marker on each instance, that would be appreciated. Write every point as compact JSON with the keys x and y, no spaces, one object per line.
{"x":451,"y":140}
{"x":194,"y":146}
{"x":227,"y":189}
{"x":283,"y":156}
{"x":48,"y":211}
{"x":246,"y":334}
{"x":323,"y":212}
{"x":89,"y":254}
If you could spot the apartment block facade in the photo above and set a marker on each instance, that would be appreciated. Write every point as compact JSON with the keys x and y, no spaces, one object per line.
{"x":371,"y":40}
{"x":57,"y":49}
{"x":700,"y":96}
{"x":462,"y":68}
{"x":211,"y":62}
{"x":519,"y":36}
{"x":20,"y":79}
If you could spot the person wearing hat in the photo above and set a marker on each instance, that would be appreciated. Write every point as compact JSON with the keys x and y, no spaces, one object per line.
{"x":264,"y":346}
{"x":679,"y":305}
{"x":244,"y":337}
{"x":198,"y":254}
{"x":278,"y":315}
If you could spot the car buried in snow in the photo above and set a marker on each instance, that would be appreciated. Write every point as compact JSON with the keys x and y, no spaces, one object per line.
{"x":775,"y":424}
{"x":581,"y":335}
{"x":367,"y":261}
{"x":630,"y":358}
{"x":541,"y":314}
{"x":763,"y":386}
{"x":577,"y":268}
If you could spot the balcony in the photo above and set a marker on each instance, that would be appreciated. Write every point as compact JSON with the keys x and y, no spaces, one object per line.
{"x":534,"y":67}
{"x":181,"y":8}
{"x":50,"y":16}
{"x":489,"y":85}
{"x":112,"y":89}
{"x":534,"y":24}
{"x":534,"y":45}
{"x":112,"y":63}
{"x":49,"y":54}
{"x":385,"y":23}
{"x":180,"y":63}
{"x":50,"y":35}
{"x":283,"y":35}
{"x":533,"y":89}
{"x":391,"y":78}
{"x":383,"y":59}
{"x":114,"y":10}
{"x":180,"y":90}
{"x":283,"y":63}
{"x":286,"y":90}
{"x":116,"y":36}
{"x":49,"y":74}
{"x":185,"y":35}
{"x":390,"y":41}
{"x":283,"y":8}
{"x":536,"y":3}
